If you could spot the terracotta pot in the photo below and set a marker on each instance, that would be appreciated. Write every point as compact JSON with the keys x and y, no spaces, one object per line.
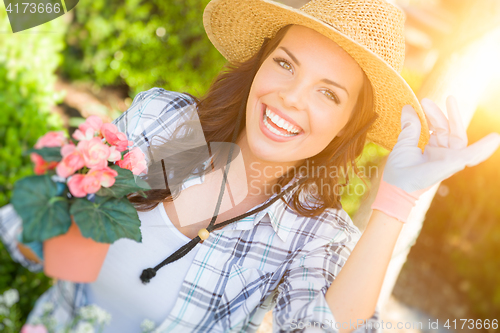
{"x":73,"y":257}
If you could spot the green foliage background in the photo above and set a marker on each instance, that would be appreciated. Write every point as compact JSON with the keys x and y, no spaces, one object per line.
{"x":142,"y":44}
{"x":27,"y":65}
{"x":463,"y":221}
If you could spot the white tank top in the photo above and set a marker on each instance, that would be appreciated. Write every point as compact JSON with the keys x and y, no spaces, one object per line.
{"x":119,"y":290}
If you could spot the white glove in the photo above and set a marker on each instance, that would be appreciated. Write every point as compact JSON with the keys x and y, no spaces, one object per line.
{"x":412,"y":171}
{"x":445,"y":154}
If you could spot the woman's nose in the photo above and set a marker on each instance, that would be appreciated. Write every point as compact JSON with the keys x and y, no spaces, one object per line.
{"x":294,"y":95}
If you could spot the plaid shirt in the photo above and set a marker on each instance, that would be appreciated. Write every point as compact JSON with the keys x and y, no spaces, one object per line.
{"x":273,"y":260}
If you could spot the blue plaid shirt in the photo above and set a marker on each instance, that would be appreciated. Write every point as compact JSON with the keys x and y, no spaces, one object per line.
{"x":273,"y":260}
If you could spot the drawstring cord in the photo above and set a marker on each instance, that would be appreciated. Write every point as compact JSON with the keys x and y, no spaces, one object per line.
{"x":150,"y":273}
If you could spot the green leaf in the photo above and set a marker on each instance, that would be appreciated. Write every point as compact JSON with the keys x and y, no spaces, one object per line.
{"x":44,"y":214}
{"x":125,"y":183}
{"x":48,"y":154}
{"x":107,"y":219}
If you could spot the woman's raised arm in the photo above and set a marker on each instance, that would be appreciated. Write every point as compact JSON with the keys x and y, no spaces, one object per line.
{"x":408,"y":173}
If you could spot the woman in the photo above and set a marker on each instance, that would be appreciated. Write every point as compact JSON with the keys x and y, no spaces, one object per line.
{"x":309,"y":97}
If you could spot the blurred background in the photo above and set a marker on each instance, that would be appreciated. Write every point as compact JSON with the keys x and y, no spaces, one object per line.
{"x":96,"y":58}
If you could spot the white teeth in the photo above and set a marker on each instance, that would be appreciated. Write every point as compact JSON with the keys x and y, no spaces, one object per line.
{"x":274,"y":130}
{"x":275,"y":118}
{"x":280,"y":122}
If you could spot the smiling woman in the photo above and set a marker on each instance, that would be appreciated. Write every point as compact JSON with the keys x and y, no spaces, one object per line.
{"x":291,"y":89}
{"x":303,"y":89}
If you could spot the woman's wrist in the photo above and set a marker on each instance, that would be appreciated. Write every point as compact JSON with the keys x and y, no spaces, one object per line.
{"x":395,"y":202}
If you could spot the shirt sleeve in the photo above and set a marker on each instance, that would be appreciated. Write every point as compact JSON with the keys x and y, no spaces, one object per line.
{"x":10,"y":229}
{"x":154,"y":114}
{"x":301,"y":305}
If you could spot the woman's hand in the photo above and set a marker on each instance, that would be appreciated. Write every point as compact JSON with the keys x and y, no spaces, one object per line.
{"x":445,"y":154}
{"x":409,"y":172}
{"x":28,"y":253}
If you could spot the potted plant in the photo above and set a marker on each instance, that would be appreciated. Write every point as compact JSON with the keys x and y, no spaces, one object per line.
{"x":76,"y":202}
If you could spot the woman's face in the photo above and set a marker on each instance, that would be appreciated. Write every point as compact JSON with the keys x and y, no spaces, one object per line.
{"x":301,"y":97}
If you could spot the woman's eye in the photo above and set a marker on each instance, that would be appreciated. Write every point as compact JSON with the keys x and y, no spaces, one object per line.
{"x":329,"y":94}
{"x":283,"y":63}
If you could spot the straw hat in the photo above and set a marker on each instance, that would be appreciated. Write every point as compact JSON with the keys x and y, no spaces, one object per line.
{"x":371,"y":31}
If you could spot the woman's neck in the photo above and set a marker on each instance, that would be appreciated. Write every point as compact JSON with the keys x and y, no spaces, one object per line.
{"x":261,"y":175}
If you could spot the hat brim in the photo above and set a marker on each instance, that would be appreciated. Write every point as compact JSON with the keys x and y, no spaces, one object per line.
{"x":237,"y":29}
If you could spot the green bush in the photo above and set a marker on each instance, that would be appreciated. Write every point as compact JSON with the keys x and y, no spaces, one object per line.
{"x":27,"y":65}
{"x":142,"y":44}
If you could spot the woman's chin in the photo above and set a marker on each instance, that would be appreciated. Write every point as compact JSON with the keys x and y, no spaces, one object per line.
{"x":269,"y":155}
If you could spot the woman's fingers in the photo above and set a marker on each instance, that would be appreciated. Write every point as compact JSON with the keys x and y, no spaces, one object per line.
{"x":458,"y":135}
{"x":410,"y":128}
{"x":480,"y":150}
{"x":442,"y":162}
{"x":438,"y":123}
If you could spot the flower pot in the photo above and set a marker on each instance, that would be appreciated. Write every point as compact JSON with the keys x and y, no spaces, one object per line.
{"x":73,"y":257}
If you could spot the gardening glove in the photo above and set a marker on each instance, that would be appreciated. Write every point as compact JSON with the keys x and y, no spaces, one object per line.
{"x":408,"y":172}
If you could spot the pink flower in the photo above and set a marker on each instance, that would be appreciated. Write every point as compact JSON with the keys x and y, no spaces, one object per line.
{"x":88,"y":129}
{"x":114,"y":154}
{"x":90,"y":183}
{"x":93,"y":122}
{"x":134,"y":161}
{"x":95,"y":153}
{"x":106,"y":176}
{"x":115,"y":138}
{"x":41,"y":165}
{"x":81,"y":185}
{"x":51,"y":139}
{"x":33,"y":329}
{"x":67,"y":149}
{"x":71,"y":162}
{"x":75,"y":186}
{"x":79,"y":135}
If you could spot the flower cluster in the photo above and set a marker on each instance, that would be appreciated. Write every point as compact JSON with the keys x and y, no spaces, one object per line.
{"x":88,"y":319}
{"x":86,"y":159}
{"x":8,"y":318}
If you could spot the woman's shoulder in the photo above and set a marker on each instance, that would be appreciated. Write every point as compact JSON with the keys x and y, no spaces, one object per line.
{"x":155,"y":110}
{"x":158,"y":102}
{"x":161,"y":95}
{"x":342,"y":220}
{"x":332,"y":225}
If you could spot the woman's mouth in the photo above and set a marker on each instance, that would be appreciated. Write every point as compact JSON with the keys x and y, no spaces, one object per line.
{"x":277,"y":125}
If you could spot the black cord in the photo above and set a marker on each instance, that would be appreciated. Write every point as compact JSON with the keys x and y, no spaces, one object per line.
{"x":150,"y":273}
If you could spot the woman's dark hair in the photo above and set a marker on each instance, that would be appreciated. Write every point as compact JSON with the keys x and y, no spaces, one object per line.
{"x":217,"y":112}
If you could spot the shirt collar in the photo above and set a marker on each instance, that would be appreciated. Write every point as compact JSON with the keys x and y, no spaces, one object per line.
{"x":278,"y":214}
